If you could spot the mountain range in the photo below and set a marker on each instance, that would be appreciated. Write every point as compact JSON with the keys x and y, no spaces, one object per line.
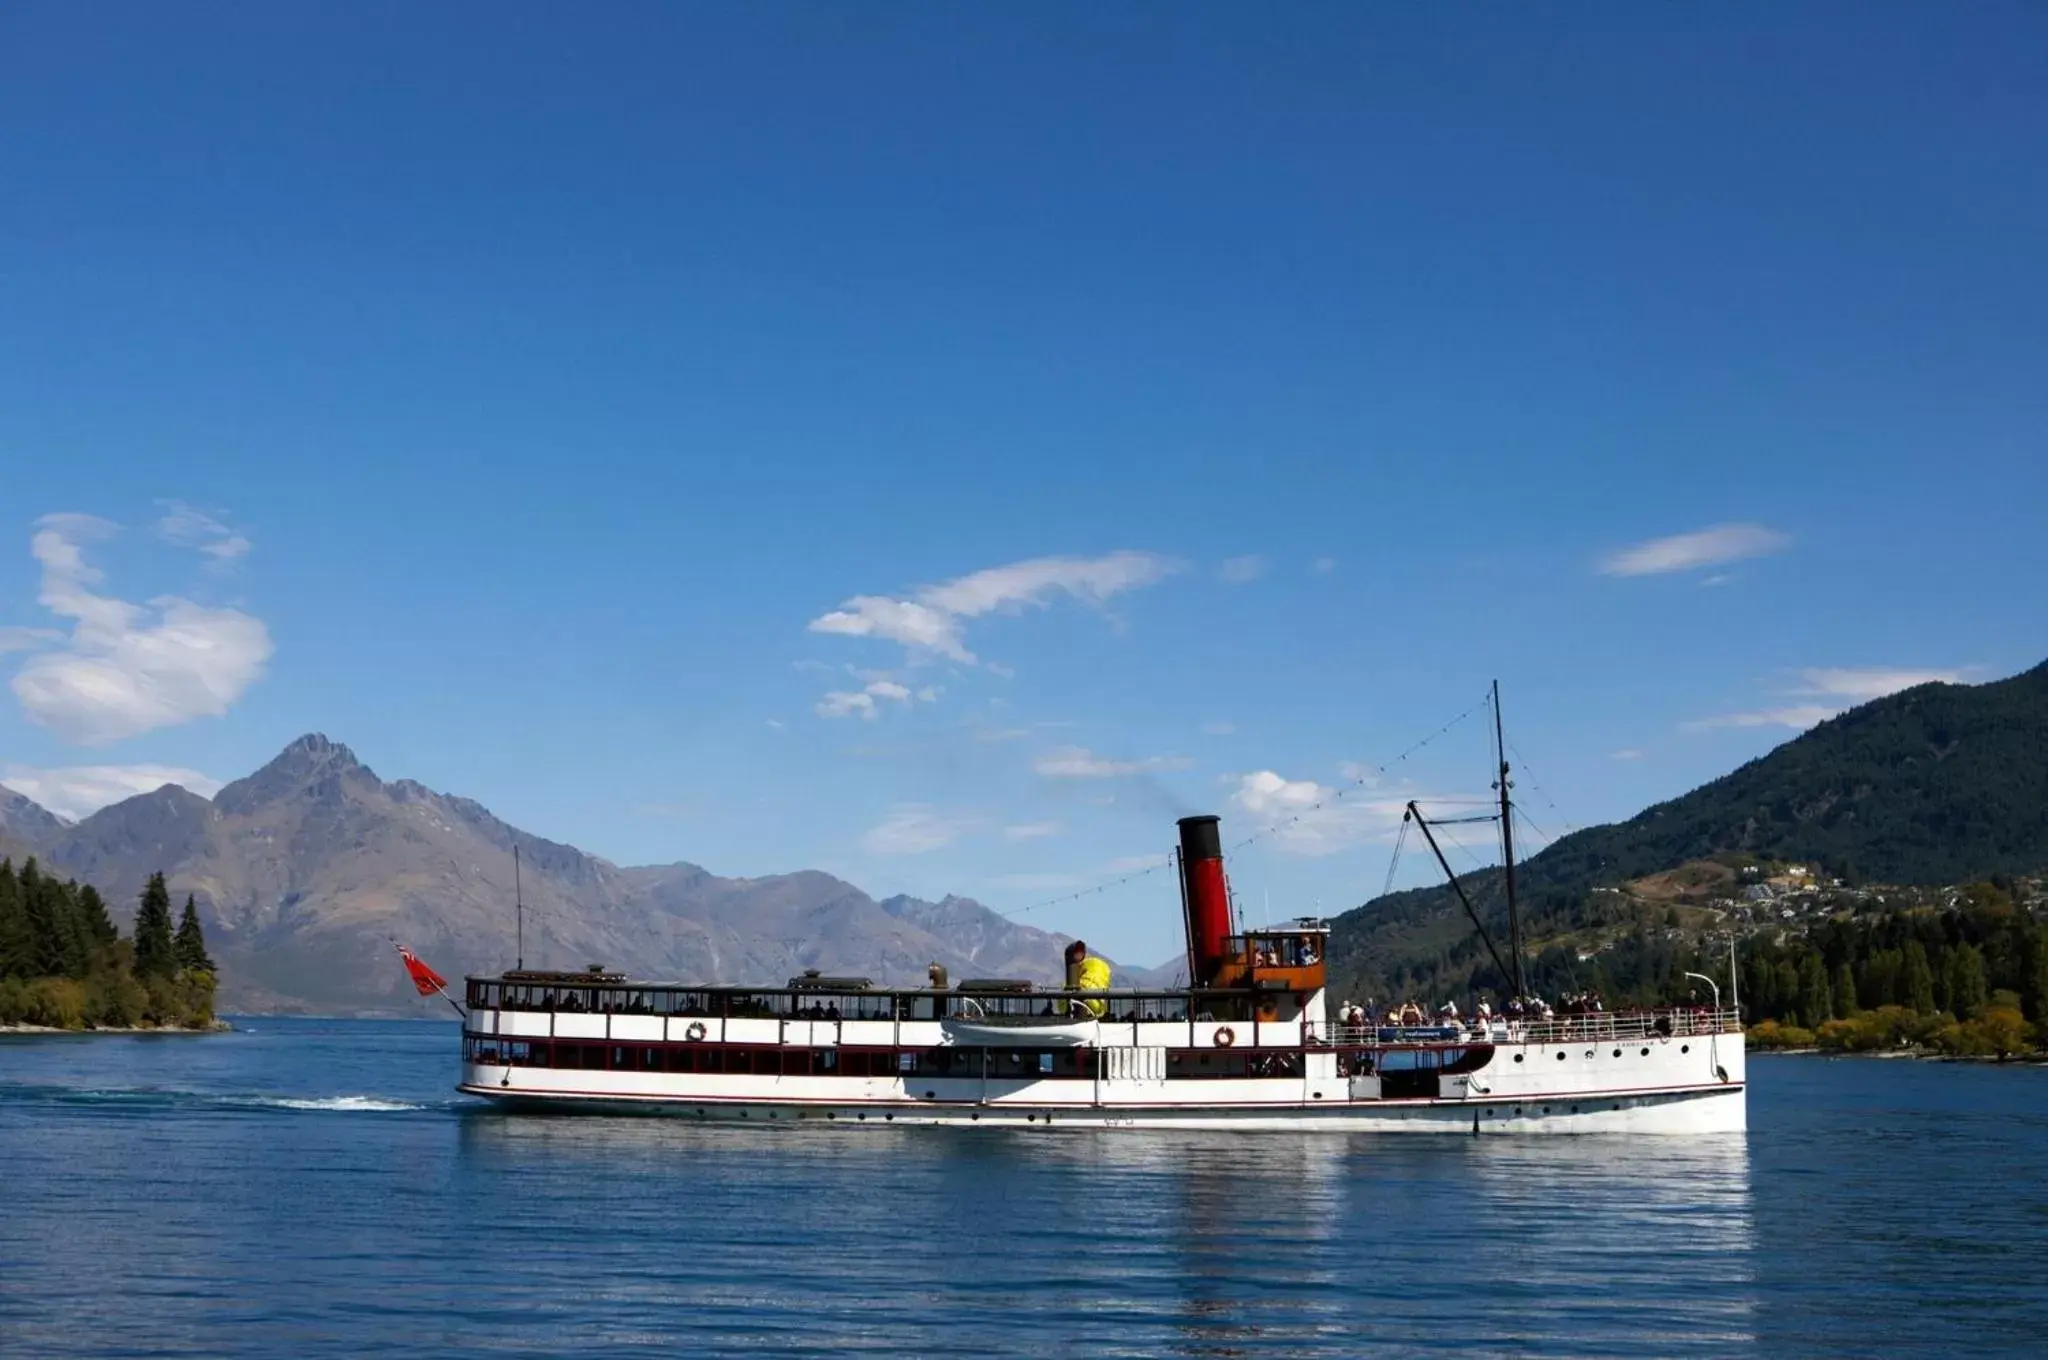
{"x":308,"y":869}
{"x":1932,"y":785}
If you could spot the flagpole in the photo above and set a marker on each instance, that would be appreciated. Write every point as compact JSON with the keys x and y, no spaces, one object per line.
{"x":433,"y":981}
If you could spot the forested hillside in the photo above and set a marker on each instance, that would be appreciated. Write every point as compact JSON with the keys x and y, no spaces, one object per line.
{"x":64,"y":964}
{"x":1936,"y":784}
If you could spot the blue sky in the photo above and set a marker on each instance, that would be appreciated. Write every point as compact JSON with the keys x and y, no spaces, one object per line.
{"x":1122,"y":413}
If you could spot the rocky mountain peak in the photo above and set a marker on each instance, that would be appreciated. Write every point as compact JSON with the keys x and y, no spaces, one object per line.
{"x":311,"y":764}
{"x":26,"y":818}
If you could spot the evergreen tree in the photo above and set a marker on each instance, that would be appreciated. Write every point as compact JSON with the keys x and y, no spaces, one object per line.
{"x":1919,"y":979}
{"x":190,"y":945}
{"x":155,"y":955}
{"x":92,"y":910}
{"x":1964,"y":974}
{"x":2033,"y":983}
{"x":1845,"y":994}
{"x":1816,"y":1007}
{"x":17,"y":936}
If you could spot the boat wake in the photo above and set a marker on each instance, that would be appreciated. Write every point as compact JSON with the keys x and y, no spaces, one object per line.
{"x":141,"y":1099}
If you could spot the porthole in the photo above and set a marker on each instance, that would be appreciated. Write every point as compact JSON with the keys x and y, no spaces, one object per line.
{"x":1575,"y":1109}
{"x":862,"y":1115}
{"x":1546,"y":1109}
{"x":830,"y":1115}
{"x":1319,"y":1095}
{"x":743,"y":1114}
{"x":1518,"y":1057}
{"x":1617,"y":1053}
{"x":1646,"y":1053}
{"x":976,"y":1116}
{"x":1560,"y":1057}
{"x":1685,"y":1048}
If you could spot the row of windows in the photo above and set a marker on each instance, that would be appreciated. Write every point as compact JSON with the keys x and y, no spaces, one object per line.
{"x":711,"y":1003}
{"x":790,"y":1061}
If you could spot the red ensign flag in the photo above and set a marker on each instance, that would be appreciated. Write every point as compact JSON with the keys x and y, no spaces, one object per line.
{"x":423,"y":977}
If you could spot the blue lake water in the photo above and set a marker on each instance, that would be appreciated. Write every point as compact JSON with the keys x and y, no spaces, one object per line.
{"x":311,"y":1188}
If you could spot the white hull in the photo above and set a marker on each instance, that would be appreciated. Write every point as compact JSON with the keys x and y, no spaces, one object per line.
{"x":1668,"y":1087}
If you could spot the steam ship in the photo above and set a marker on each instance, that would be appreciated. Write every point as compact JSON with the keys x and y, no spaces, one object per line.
{"x":1250,"y":1043}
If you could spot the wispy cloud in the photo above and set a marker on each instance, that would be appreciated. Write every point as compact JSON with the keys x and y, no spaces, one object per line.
{"x":932,"y":620}
{"x":125,"y":669}
{"x":1238,"y":570}
{"x":1625,"y":753}
{"x":866,"y":702}
{"x":1860,"y":685}
{"x":1828,"y":691}
{"x":26,"y":639}
{"x":1708,"y":547}
{"x":190,"y":528}
{"x":1078,"y":762}
{"x":80,"y":790}
{"x":915,"y":829}
{"x":1303,"y":817}
{"x":1031,"y":831}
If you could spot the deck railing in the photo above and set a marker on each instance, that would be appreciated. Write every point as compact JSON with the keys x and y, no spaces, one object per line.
{"x":1601,"y":1026}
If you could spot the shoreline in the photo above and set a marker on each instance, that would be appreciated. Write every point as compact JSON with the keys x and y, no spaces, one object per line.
{"x":1909,"y":1054}
{"x":217,"y":1027}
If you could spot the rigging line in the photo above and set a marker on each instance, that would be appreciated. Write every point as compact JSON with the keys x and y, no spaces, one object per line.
{"x":1394,"y":863}
{"x":1551,"y":802}
{"x":1530,"y":822}
{"x":1373,"y":774}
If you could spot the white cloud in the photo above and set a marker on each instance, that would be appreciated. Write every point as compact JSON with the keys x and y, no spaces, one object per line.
{"x":1218,"y":729}
{"x":1799,"y":717}
{"x":127,"y":669}
{"x":1078,"y":762}
{"x":1707,"y":547}
{"x":1829,"y":691}
{"x":843,"y":703}
{"x":932,"y":620}
{"x":190,"y":528}
{"x":777,"y":723}
{"x":1054,"y":882}
{"x":1031,"y":831}
{"x":81,"y":790}
{"x":918,"y":627}
{"x":1625,"y":753}
{"x":1238,"y":570}
{"x":26,"y":639}
{"x":1303,"y":817}
{"x":914,"y":829}
{"x":1862,"y":685}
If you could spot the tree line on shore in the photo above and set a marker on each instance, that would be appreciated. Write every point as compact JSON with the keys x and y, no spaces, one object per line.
{"x":1972,"y":980}
{"x":63,"y":962}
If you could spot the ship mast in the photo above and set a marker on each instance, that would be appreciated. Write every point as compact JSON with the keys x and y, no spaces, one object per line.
{"x":1507,"y":848}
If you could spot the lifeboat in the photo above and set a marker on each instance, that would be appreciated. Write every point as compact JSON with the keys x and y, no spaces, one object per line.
{"x":978,"y":1025}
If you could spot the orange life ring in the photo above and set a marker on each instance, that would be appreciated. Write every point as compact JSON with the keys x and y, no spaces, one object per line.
{"x":695,"y":1033}
{"x":1225,"y":1037}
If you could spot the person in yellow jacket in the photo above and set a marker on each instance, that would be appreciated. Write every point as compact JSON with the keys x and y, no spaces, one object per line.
{"x":1085,"y":973}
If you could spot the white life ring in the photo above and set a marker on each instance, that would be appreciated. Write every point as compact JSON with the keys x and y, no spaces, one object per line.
{"x":1225,"y":1037}
{"x":695,"y":1033}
